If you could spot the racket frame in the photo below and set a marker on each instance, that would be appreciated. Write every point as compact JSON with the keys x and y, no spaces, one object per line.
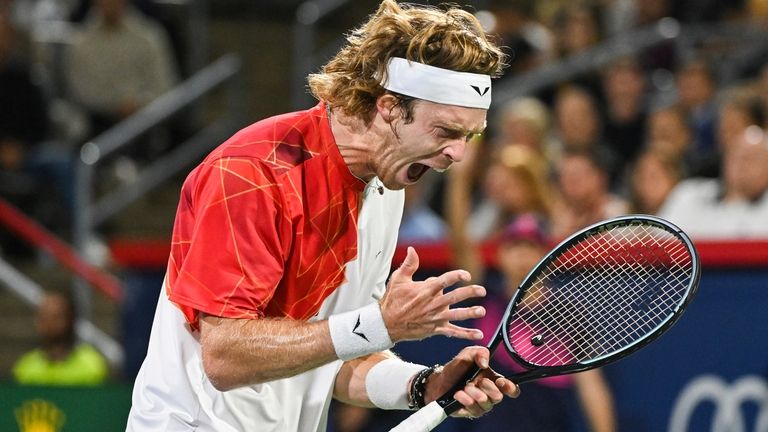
{"x":535,"y":371}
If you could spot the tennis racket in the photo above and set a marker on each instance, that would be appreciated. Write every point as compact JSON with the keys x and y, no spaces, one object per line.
{"x":600,"y":295}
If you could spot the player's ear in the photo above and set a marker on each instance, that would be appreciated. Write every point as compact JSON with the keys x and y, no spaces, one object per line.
{"x":386,"y":106}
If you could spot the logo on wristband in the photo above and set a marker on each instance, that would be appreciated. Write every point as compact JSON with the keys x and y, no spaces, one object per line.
{"x":361,"y":334}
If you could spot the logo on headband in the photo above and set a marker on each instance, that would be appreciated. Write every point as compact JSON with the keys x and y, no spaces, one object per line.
{"x":439,"y":85}
{"x":480,"y":92}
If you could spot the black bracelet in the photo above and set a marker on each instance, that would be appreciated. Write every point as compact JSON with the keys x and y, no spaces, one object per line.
{"x":419,"y":387}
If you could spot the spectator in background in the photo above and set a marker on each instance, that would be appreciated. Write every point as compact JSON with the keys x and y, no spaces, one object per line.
{"x":524,"y":121}
{"x":23,"y":128}
{"x":577,"y":119}
{"x":653,"y":177}
{"x":578,"y":29}
{"x":583,"y":193}
{"x":696,"y":97}
{"x":515,"y":183}
{"x":546,"y":404}
{"x":734,"y":206}
{"x":624,"y":89}
{"x":669,"y":137}
{"x":579,"y":128}
{"x":23,"y":111}
{"x":528,"y":42}
{"x":119,"y":63}
{"x":737,"y":112}
{"x":60,"y":360}
{"x":661,"y":55}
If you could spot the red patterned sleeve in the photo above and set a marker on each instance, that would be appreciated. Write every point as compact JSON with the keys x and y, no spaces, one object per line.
{"x":229,"y":241}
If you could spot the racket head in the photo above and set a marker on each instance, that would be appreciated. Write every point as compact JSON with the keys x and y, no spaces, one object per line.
{"x":601,"y":294}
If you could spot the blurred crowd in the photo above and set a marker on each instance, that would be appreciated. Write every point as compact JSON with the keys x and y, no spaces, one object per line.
{"x":673,"y":130}
{"x":69,"y":70}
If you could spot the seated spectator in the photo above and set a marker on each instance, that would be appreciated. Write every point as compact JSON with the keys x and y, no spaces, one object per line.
{"x":119,"y":63}
{"x":653,"y":178}
{"x":647,"y":13}
{"x":577,"y":29}
{"x":624,"y":89}
{"x":669,"y":137}
{"x":737,"y":112}
{"x":524,"y":121}
{"x":584,"y":197}
{"x":696,"y":97}
{"x":60,"y":360}
{"x":24,"y":182}
{"x":734,"y":206}
{"x":579,"y":127}
{"x":515,"y":183}
{"x":545,"y":404}
{"x":528,"y":42}
{"x":23,"y":113}
{"x":576,"y":119}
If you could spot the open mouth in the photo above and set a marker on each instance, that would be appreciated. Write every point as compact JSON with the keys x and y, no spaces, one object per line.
{"x":416,"y":171}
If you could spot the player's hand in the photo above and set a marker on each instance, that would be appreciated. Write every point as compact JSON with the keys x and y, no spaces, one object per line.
{"x":416,"y":310}
{"x":478,"y":396}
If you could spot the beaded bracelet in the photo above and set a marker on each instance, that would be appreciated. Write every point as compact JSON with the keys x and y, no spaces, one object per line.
{"x":419,"y":386}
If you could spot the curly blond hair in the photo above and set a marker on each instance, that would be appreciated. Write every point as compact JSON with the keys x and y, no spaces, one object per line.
{"x":451,"y":39}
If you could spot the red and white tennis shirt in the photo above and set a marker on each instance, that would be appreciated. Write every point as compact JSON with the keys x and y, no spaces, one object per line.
{"x":271,"y":224}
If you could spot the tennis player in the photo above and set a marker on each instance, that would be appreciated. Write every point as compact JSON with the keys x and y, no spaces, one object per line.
{"x":274,"y":299}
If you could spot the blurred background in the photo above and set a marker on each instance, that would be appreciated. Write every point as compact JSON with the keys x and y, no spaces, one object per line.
{"x":608,"y":107}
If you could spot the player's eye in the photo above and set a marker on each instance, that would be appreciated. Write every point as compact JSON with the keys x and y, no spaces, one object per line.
{"x":452,"y":133}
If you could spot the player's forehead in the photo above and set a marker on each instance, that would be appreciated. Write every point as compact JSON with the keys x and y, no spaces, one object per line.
{"x":468,"y":120}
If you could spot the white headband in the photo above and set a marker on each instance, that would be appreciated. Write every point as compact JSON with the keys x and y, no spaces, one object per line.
{"x":438,"y":85}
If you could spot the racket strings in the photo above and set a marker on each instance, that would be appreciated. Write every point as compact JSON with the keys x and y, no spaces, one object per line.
{"x":601,"y":295}
{"x":618,"y":275}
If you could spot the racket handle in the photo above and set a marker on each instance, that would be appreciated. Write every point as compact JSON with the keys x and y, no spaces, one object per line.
{"x":423,"y":420}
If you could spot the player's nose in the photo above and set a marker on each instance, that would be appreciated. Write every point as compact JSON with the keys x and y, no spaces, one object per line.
{"x":456,"y":150}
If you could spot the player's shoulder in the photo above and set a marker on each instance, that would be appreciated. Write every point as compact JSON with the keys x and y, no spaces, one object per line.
{"x":288,"y":138}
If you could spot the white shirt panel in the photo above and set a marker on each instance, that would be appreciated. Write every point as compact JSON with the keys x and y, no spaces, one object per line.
{"x":173,"y":393}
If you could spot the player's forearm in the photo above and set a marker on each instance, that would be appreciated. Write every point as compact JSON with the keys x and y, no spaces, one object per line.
{"x":350,"y":381}
{"x":238,"y":353}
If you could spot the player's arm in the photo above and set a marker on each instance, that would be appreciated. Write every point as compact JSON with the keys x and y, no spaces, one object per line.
{"x":383,"y":381}
{"x":241,"y":352}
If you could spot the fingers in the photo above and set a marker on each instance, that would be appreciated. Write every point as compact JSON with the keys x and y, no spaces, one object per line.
{"x":448,"y":279}
{"x":507,"y":387}
{"x":454,"y":331}
{"x":460,"y":294}
{"x":481,"y":356}
{"x":461,"y":314}
{"x":410,"y":264}
{"x":479,"y":398}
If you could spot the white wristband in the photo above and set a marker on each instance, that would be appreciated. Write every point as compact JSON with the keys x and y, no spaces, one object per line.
{"x":387,"y":383}
{"x":359,"y":332}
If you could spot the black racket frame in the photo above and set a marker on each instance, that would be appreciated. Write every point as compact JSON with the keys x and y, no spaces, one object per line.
{"x":536,"y":372}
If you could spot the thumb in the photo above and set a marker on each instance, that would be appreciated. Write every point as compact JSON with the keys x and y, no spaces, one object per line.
{"x":410,"y":264}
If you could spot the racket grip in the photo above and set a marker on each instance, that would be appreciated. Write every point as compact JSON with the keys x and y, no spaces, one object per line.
{"x":423,"y":420}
